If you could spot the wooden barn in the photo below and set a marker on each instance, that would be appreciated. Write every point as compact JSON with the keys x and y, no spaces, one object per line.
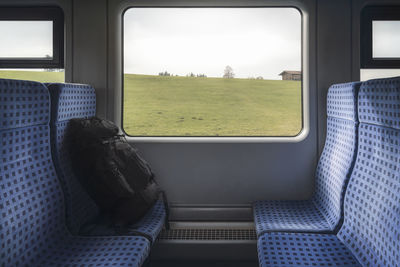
{"x":291,"y":75}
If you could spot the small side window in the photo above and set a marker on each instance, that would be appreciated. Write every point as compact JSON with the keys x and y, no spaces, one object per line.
{"x":32,"y":43}
{"x":380,"y":39}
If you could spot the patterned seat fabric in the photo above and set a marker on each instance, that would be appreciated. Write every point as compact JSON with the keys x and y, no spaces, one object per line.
{"x":289,"y":216}
{"x":79,"y":101}
{"x":73,"y":101}
{"x":371,"y":227}
{"x":370,"y":233}
{"x":149,"y":226}
{"x":303,"y":249}
{"x":32,"y":228}
{"x":323,"y":212}
{"x":97,"y":251}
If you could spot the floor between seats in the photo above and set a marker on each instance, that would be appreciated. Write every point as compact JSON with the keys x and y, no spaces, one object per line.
{"x":202,"y":264}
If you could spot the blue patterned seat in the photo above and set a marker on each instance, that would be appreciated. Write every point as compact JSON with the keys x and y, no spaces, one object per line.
{"x":79,"y":101}
{"x":371,"y":226}
{"x":303,"y":249}
{"x":322,"y":212}
{"x":32,"y":228}
{"x":370,"y":233}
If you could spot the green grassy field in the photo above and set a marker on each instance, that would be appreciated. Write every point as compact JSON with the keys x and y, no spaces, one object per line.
{"x":39,"y":76}
{"x":185,"y":106}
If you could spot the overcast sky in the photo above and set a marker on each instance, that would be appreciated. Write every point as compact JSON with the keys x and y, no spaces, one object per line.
{"x":26,"y":38}
{"x":386,"y":38}
{"x":253,"y":41}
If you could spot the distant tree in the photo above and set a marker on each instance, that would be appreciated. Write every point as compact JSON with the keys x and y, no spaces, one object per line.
{"x":201,"y":75}
{"x":260,"y":78}
{"x":165,"y":73}
{"x":48,"y":57}
{"x":228,"y":72}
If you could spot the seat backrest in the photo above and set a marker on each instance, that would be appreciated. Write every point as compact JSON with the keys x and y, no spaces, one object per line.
{"x":337,"y":159}
{"x":31,"y":200}
{"x":371,"y":227}
{"x":71,"y":101}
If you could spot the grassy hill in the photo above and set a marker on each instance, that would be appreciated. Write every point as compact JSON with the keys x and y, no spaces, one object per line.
{"x":39,"y":76}
{"x":186,"y":106}
{"x":175,"y":106}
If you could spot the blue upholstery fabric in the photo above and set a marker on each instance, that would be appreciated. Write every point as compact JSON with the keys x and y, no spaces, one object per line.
{"x":71,"y":101}
{"x":323,"y":212}
{"x":371,"y":227}
{"x":32,"y":228}
{"x":97,"y":251}
{"x":303,"y":249}
{"x":379,"y":102}
{"x":79,"y":101}
{"x":334,"y":168}
{"x":342,"y":101}
{"x":150,"y":225}
{"x":288,"y":216}
{"x":22,"y":104}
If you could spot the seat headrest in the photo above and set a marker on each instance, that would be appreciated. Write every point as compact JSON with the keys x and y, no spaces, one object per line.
{"x":23,"y":104}
{"x":342,"y":100}
{"x":71,"y":101}
{"x":379,"y":102}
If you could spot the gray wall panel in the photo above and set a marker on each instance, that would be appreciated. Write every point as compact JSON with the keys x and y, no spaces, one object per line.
{"x":90,"y":48}
{"x":232,"y":173}
{"x":334,"y":53}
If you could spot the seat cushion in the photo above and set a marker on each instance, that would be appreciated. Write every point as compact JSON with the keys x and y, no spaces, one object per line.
{"x":149,"y":226}
{"x":303,"y":249}
{"x":371,"y":226}
{"x":342,"y":101}
{"x":97,"y":251}
{"x":32,"y":228}
{"x":23,"y":104}
{"x":323,"y":212}
{"x":31,"y":200}
{"x":289,"y":216}
{"x":71,"y":101}
{"x":80,"y":208}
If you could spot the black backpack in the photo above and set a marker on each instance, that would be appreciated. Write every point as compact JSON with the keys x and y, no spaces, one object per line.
{"x":110,"y":169}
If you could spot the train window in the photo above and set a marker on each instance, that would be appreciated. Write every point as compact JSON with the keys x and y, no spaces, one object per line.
{"x":26,"y":39}
{"x":386,"y":39}
{"x":380,"y":38}
{"x":32,"y":44}
{"x":207,"y":72}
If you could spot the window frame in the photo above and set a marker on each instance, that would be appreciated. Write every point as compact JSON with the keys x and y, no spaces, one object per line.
{"x":368,"y":15}
{"x":54,"y":14}
{"x":304,"y":111}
